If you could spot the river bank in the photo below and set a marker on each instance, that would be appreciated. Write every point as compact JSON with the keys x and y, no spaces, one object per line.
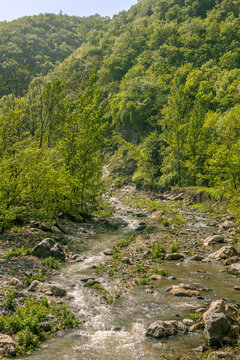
{"x":118,"y":282}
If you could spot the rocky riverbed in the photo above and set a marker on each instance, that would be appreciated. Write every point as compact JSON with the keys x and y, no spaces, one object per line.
{"x":165,"y":284}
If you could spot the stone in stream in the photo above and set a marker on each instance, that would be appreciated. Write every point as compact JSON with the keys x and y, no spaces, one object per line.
{"x":156,"y":277}
{"x":231,"y":260}
{"x":51,"y":289}
{"x":234,"y":269}
{"x":178,"y":291}
{"x":49,"y":248}
{"x":108,"y":252}
{"x":163,"y":329}
{"x":221,"y":324}
{"x":183,"y":290}
{"x":197,"y":258}
{"x":174,"y":256}
{"x":223,"y":253}
{"x":214,"y":239}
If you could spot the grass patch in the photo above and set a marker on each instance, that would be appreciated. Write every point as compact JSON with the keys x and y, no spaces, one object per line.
{"x":204,"y":207}
{"x":38,"y":276}
{"x":175,"y":247}
{"x":197,"y":316}
{"x":25,"y":323}
{"x":158,"y":248}
{"x":16,"y":252}
{"x":150,"y":205}
{"x":52,"y":263}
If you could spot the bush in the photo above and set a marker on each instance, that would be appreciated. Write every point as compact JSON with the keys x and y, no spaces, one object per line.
{"x":157,"y":250}
{"x":175,"y":247}
{"x":25,"y":322}
{"x":52,"y":263}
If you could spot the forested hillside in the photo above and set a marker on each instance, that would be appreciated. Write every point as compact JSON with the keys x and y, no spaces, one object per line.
{"x":170,"y":71}
{"x":32,"y":45}
{"x":167,"y":80}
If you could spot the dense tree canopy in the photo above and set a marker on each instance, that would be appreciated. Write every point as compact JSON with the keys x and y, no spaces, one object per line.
{"x":168,"y":72}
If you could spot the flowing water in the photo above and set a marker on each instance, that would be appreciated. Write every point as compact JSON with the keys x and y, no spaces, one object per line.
{"x":117,"y":332}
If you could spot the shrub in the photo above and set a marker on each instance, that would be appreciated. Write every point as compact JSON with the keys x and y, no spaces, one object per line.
{"x":157,"y":249}
{"x":52,"y":262}
{"x":175,"y":247}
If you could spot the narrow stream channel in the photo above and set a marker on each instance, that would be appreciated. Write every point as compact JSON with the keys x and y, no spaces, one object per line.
{"x":118,"y":331}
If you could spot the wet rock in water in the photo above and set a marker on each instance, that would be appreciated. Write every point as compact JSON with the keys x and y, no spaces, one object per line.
{"x":172,"y":278}
{"x":57,"y":290}
{"x":237,"y":288}
{"x":197,"y":258}
{"x":108,"y":252}
{"x":220,"y":355}
{"x":234,"y":269}
{"x":183,"y":290}
{"x":226,"y":225}
{"x":178,"y":291}
{"x":221,"y":324}
{"x":52,"y":289}
{"x":223,"y":253}
{"x":174,"y":256}
{"x":163,"y":329}
{"x":7,"y":345}
{"x":49,"y":248}
{"x":231,"y":260}
{"x":214,"y":239}
{"x":156,"y":277}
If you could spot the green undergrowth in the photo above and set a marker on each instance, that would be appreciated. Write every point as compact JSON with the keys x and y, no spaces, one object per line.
{"x":25,"y":323}
{"x":151,"y":205}
{"x":17,"y":252}
{"x":52,"y":263}
{"x":38,"y":276}
{"x":197,"y":316}
{"x":123,"y":243}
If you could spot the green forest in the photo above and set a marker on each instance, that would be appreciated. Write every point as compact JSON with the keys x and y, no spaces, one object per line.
{"x":153,"y":94}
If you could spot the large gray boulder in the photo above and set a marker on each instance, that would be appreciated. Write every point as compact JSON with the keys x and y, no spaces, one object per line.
{"x":221,"y":324}
{"x":163,"y":329}
{"x":217,"y":328}
{"x":49,"y":248}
